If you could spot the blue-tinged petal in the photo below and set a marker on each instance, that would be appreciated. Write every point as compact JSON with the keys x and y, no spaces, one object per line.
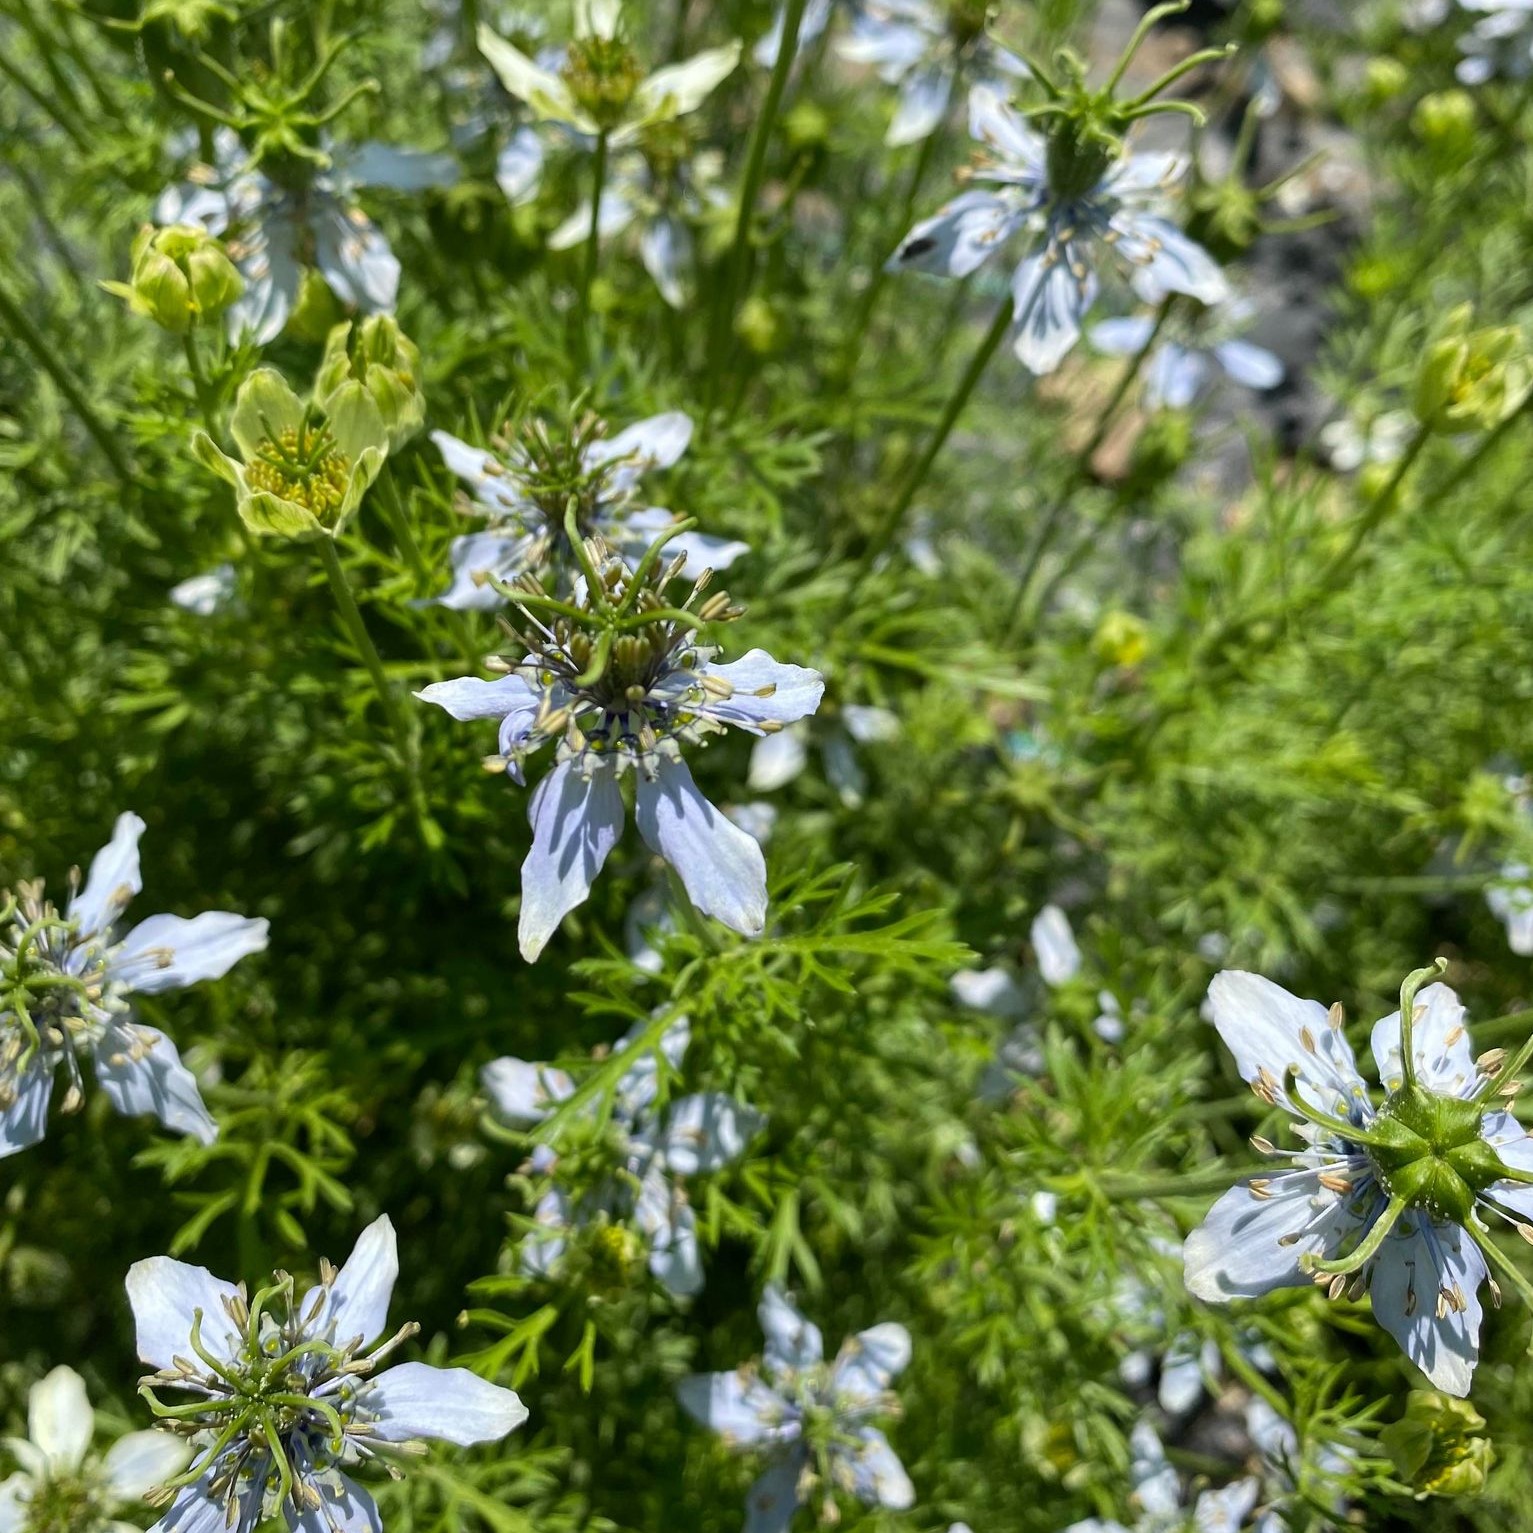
{"x":494,"y":485}
{"x":892,"y":47}
{"x":24,"y":1120}
{"x":720,"y":866}
{"x":617,"y":212}
{"x":1512,"y":1142}
{"x":703,"y":551}
{"x":358,"y":1304}
{"x":416,"y":1400}
{"x":669,"y":1226}
{"x":113,"y":880}
{"x":1124,"y":336}
{"x":1054,"y":946}
{"x":1177,"y":264}
{"x":870,"y":1361}
{"x":355,"y":259}
{"x":1175,"y":377}
{"x":1050,"y":294}
{"x":344,"y":1507}
{"x":544,"y":1245}
{"x":995,"y":123}
{"x":1254,"y":366}
{"x":878,"y":1476}
{"x":1439,"y":1039}
{"x":273,"y":274}
{"x":777,"y":759}
{"x":1424,"y":1287}
{"x":792,"y":1342}
{"x":576,"y":821}
{"x":525,"y":1093}
{"x":764,"y":692}
{"x":960,"y":235}
{"x":468,"y":697}
{"x":519,"y":166}
{"x":657,"y":442}
{"x":1254,"y":1236}
{"x":668,"y":254}
{"x":707,"y":1132}
{"x":1271,"y":1032}
{"x":138,"y":1462}
{"x":476,"y":555}
{"x":924,"y":96}
{"x":639,"y":1087}
{"x":168,"y":952}
{"x":773,"y":1498}
{"x":164,"y":1294}
{"x":195,"y":1511}
{"x":812,"y":24}
{"x":401,"y":170}
{"x":140,"y":1071}
{"x":1226,"y":1509}
{"x":739,"y":1406}
{"x":187,"y":203}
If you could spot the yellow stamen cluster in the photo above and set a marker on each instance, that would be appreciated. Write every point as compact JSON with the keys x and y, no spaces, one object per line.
{"x":304,"y":466}
{"x":602,"y":74}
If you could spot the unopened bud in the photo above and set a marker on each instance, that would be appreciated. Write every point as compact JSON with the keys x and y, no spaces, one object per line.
{"x":376,"y":353}
{"x":181,"y":276}
{"x":1471,"y":380}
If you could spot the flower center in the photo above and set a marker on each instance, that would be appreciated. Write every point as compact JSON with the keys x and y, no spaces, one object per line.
{"x":302,"y":464}
{"x":63,"y":1506}
{"x":602,"y":74}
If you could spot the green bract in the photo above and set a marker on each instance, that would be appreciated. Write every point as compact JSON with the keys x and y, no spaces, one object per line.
{"x":376,"y":353}
{"x":302,"y":470}
{"x":181,"y":277}
{"x":1471,"y":380}
{"x":1438,"y":1446}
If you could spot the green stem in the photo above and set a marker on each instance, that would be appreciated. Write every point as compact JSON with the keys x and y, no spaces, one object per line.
{"x":750,"y":186}
{"x":955,"y":407}
{"x":1121,"y":1188}
{"x":351,"y":616}
{"x":200,"y":385}
{"x":1340,"y":566}
{"x":1080,"y":471}
{"x":391,"y":504}
{"x":593,"y":240}
{"x":12,"y":316}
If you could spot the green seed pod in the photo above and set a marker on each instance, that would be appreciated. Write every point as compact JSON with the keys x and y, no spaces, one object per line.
{"x":1438,"y":1447}
{"x":376,"y":353}
{"x":181,"y":277}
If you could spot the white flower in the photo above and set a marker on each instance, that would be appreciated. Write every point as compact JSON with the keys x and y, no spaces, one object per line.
{"x":811,"y":1416}
{"x":524,"y":496}
{"x":1422,"y":1271}
{"x":1055,"y":947}
{"x":655,"y":691}
{"x":671,"y":91}
{"x":274,"y":231}
{"x":1181,"y":366}
{"x":1511,"y":902}
{"x":71,"y":977}
{"x":207,"y":593}
{"x":913,"y":44}
{"x":1121,"y":217}
{"x":61,"y":1486}
{"x":1500,"y":44}
{"x":1349,"y":443}
{"x":291,"y":1395}
{"x":777,"y":759}
{"x":656,"y":1152}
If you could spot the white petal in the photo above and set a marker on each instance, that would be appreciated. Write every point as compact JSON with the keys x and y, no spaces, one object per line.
{"x":1417,"y":1259}
{"x":495,"y":485}
{"x":989,"y":990}
{"x":401,"y":170}
{"x":576,"y":821}
{"x":1439,"y":1039}
{"x":707,"y":1132}
{"x":720,"y":866}
{"x":765,"y":691}
{"x":1226,"y":1509}
{"x":669,"y":1225}
{"x":25,"y":1120}
{"x":923,"y":103}
{"x":777,"y":759}
{"x":547,"y":95}
{"x":1254,"y":366}
{"x":878,"y":1477}
{"x":344,"y":1508}
{"x":113,"y":880}
{"x":168,"y":952}
{"x":871,"y":1360}
{"x":869,"y":726}
{"x":1250,"y":1245}
{"x":519,"y":166}
{"x":617,"y":212}
{"x":141,"y":1460}
{"x":666,"y":249}
{"x":525,"y":1093}
{"x":676,"y":89}
{"x":1004,"y":131}
{"x":60,"y":1421}
{"x":1175,"y":377}
{"x":140,"y":1071}
{"x":477,"y":554}
{"x":164,"y":1294}
{"x":773,"y":1497}
{"x":416,"y":1400}
{"x":468,"y":698}
{"x":893,"y":46}
{"x":654,"y":443}
{"x":738,"y":1406}
{"x":1054,"y":945}
{"x":959,"y":236}
{"x":1180,"y":265}
{"x":792,"y":1342}
{"x":358,"y":1306}
{"x":1268,"y":1030}
{"x":1050,"y":300}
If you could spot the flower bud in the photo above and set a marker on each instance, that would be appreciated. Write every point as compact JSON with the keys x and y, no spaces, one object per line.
{"x":1471,"y":380}
{"x":758,"y":326}
{"x":376,"y":353}
{"x":1437,"y":1446}
{"x":1385,"y":79}
{"x":1121,"y":639}
{"x":181,"y":276}
{"x":1446,"y":122}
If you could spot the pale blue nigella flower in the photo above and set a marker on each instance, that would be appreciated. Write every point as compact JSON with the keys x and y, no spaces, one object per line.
{"x":70,"y":979}
{"x":292,"y":1393}
{"x":813,"y":1416}
{"x":1424,"y":1279}
{"x":777,"y":759}
{"x":695,"y":1135}
{"x":274,"y":231}
{"x":1181,"y":366}
{"x":524,"y":495}
{"x":1500,"y":44}
{"x":207,"y":593}
{"x":1056,"y":282}
{"x":913,"y":44}
{"x":658,"y":691}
